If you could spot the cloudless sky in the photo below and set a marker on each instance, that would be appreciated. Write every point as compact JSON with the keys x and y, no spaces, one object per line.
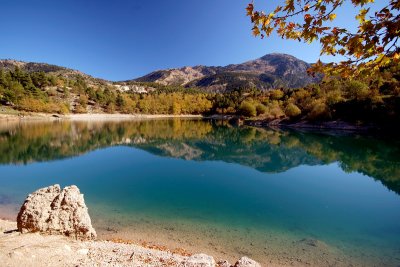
{"x":125,"y":39}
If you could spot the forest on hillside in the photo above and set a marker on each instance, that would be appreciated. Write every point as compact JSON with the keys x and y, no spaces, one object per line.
{"x":357,"y":100}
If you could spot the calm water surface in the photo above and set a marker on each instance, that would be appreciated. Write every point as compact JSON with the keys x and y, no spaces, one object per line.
{"x":281,"y":197}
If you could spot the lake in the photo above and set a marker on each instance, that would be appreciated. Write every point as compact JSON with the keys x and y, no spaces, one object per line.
{"x":280,"y":197}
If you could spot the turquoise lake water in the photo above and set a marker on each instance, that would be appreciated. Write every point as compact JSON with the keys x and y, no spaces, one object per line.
{"x":281,"y":197}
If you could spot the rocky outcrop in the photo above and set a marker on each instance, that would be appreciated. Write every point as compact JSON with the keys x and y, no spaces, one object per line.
{"x":178,"y":76}
{"x":54,"y":211}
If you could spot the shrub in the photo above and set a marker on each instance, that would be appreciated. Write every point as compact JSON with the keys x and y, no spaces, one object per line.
{"x":334,"y":97}
{"x":261,"y":109}
{"x":37,"y":105}
{"x":319,"y":111}
{"x":80,"y":109}
{"x":247,"y":109}
{"x":357,"y":90}
{"x":110,"y":108}
{"x":64,"y":108}
{"x":274,"y":110}
{"x":292,"y":110}
{"x":276,"y":94}
{"x":175,"y":108}
{"x":83,"y":100}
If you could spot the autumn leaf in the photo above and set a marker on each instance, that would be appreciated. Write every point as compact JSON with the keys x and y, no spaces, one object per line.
{"x":378,"y":34}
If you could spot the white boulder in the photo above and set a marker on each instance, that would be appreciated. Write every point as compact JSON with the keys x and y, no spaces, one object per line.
{"x":54,"y":211}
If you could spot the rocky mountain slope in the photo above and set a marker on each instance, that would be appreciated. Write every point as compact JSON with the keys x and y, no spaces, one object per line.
{"x":71,"y":74}
{"x":269,"y":71}
{"x":10,"y":64}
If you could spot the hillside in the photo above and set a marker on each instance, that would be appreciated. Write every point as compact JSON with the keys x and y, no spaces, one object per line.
{"x":283,"y":98}
{"x":42,"y":87}
{"x":267,"y":72}
{"x":68,"y":74}
{"x":10,"y":64}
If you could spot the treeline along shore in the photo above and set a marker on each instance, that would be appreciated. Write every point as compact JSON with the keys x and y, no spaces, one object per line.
{"x":370,"y":101}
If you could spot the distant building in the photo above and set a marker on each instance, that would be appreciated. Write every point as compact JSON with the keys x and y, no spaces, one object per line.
{"x":134,"y":88}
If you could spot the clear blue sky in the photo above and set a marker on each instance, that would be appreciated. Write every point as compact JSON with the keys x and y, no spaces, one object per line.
{"x":122,"y":39}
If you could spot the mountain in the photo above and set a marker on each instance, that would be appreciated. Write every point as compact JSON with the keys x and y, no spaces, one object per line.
{"x":180,"y":76}
{"x":270,"y":71}
{"x":10,"y":64}
{"x":70,"y":74}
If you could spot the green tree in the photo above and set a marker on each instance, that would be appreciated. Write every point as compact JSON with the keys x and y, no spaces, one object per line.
{"x":14,"y":93}
{"x":120,"y":101}
{"x":2,"y":78}
{"x":39,"y":79}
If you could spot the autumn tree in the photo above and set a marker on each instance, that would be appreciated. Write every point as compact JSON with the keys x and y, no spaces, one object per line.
{"x":375,"y":43}
{"x":248,"y":109}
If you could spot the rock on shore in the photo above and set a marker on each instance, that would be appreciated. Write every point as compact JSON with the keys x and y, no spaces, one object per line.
{"x":34,"y":249}
{"x":62,"y":213}
{"x":54,"y":211}
{"x":246,"y":262}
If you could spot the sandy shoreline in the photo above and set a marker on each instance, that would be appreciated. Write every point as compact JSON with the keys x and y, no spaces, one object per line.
{"x":34,"y":249}
{"x":327,"y":126}
{"x":88,"y":117}
{"x":279,"y":251}
{"x":41,"y":250}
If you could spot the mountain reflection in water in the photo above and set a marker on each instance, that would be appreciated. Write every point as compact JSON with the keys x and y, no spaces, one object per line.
{"x":266,"y":150}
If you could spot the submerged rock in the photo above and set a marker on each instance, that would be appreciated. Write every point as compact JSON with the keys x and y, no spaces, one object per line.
{"x":223,"y":263}
{"x":312,"y":242}
{"x":246,"y":262}
{"x":55,"y":211}
{"x":200,"y":260}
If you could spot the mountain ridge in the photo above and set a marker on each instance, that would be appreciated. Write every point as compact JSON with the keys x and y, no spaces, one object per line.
{"x":10,"y":64}
{"x":270,"y":71}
